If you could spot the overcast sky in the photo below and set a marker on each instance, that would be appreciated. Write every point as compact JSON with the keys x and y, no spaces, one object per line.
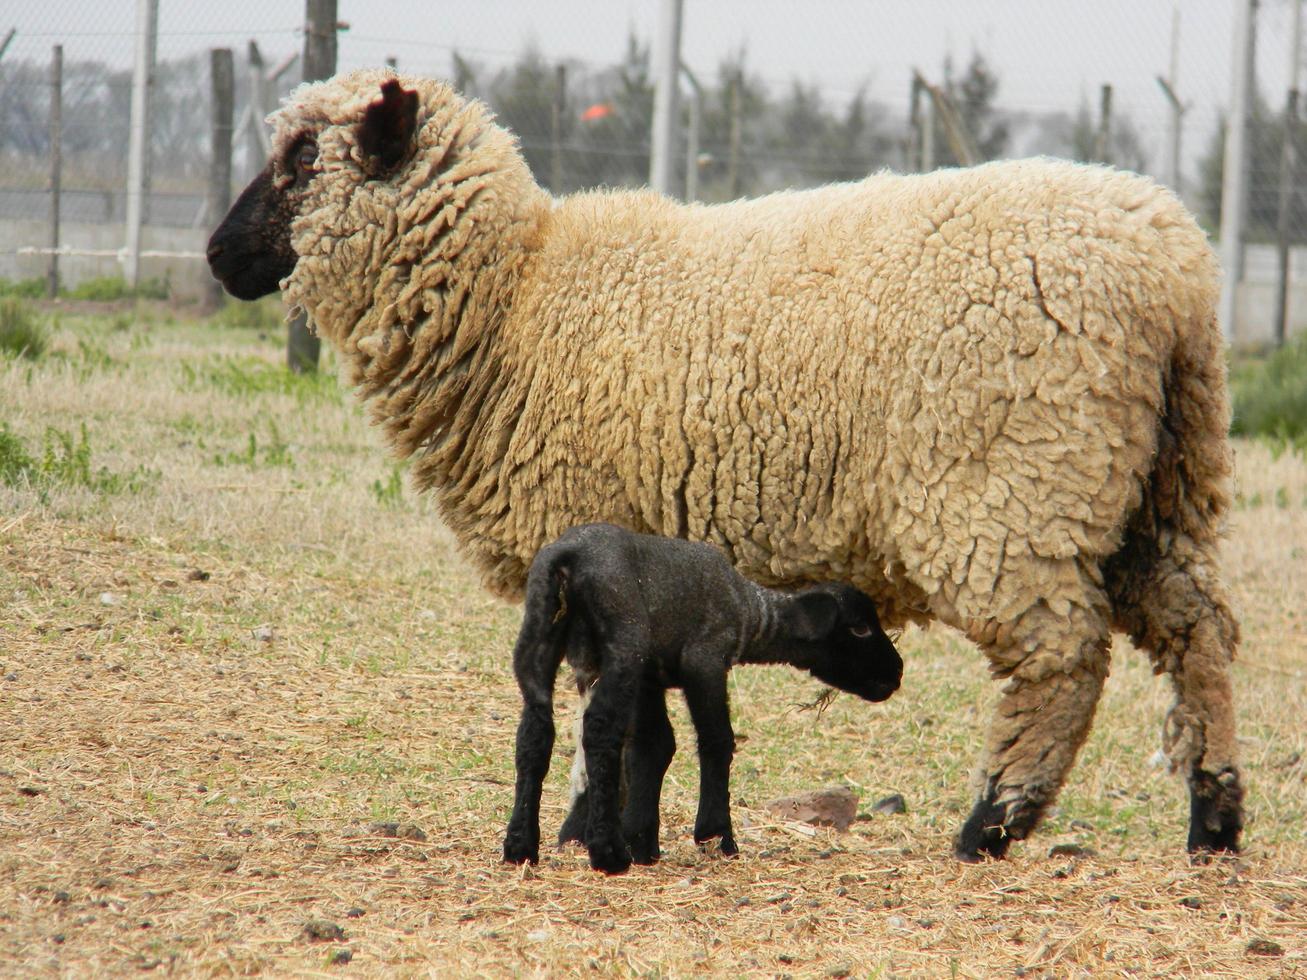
{"x":1048,"y":54}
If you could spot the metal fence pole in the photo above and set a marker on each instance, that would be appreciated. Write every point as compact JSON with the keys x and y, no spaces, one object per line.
{"x":222,"y":78}
{"x":1234,"y":180}
{"x":667,"y":64}
{"x":56,"y":165}
{"x":147,"y":32}
{"x":1288,"y":164}
{"x":303,"y":347}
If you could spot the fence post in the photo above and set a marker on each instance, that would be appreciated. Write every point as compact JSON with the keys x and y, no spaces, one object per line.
{"x":556,"y":107}
{"x":737,"y":125}
{"x":666,"y":67}
{"x":302,"y":347}
{"x":1288,"y":164}
{"x":222,"y":78}
{"x":56,"y":165}
{"x":1234,"y":174}
{"x":1103,"y":138}
{"x":138,"y":155}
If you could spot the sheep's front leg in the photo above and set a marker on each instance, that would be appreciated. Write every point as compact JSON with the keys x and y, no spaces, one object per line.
{"x":649,"y":751}
{"x":603,"y":728}
{"x":706,"y":695}
{"x":1058,"y":664}
{"x":536,"y":665}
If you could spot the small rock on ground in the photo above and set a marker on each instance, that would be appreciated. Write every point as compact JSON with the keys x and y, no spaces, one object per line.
{"x":894,"y":803}
{"x":834,"y":806}
{"x":1265,"y":947}
{"x":394,"y":831}
{"x":322,"y":931}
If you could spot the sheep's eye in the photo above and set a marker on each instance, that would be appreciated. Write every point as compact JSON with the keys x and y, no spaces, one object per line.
{"x":307,"y":156}
{"x":861,"y":632}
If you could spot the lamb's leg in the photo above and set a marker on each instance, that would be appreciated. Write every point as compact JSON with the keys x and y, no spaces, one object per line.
{"x":707,"y":697}
{"x":1056,"y":665}
{"x":604,"y":728}
{"x":1179,"y":613}
{"x":535,"y":663}
{"x":649,"y":751}
{"x":578,"y":812}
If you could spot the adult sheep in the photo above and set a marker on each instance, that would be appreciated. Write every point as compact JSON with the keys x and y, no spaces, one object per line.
{"x":993,"y":397}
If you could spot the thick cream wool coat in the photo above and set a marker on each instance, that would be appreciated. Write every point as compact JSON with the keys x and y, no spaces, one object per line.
{"x":964,"y":392}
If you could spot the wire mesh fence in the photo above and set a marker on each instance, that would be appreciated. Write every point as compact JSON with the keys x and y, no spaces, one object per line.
{"x":787,"y":95}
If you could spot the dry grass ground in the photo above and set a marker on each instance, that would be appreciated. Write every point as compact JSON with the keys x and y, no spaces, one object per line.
{"x":232,"y":655}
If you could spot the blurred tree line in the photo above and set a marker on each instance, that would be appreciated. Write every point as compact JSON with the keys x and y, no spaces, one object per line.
{"x":582,"y":125}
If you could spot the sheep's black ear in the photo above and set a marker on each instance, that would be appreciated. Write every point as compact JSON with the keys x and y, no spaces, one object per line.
{"x":811,"y":615}
{"x":386,"y":133}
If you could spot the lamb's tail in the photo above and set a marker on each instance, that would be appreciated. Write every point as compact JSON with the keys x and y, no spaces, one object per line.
{"x":1165,"y":587}
{"x":541,"y":641}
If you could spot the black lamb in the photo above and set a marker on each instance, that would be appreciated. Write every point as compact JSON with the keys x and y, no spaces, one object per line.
{"x":635,"y":614}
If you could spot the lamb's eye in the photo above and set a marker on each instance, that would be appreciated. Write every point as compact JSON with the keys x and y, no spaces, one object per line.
{"x":306,"y":157}
{"x":861,"y":632}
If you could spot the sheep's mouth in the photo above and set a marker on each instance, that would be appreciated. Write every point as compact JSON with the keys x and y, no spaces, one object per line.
{"x":882,"y":692}
{"x":243,"y":276}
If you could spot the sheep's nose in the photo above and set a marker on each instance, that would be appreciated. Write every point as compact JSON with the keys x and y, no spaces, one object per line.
{"x":212,"y":252}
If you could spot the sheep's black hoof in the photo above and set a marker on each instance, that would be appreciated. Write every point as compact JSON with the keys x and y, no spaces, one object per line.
{"x":519,"y":848}
{"x":643,"y":844}
{"x":1215,"y":812}
{"x":573,"y":829}
{"x":706,"y":832}
{"x":984,"y":834}
{"x":609,"y":854}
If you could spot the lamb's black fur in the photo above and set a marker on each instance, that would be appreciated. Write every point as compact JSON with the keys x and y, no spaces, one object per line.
{"x":634,"y":615}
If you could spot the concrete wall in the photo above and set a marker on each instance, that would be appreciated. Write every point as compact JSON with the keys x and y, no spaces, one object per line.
{"x":186,"y":277}
{"x":1254,"y":315}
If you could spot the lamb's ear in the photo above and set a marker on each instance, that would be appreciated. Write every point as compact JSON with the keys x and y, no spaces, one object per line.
{"x":811,"y":615}
{"x":386,"y":134}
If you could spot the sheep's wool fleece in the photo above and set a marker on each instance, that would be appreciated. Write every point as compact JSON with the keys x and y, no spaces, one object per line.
{"x":945,"y":388}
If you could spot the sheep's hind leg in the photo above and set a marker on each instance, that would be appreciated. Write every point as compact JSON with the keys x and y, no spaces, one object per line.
{"x":649,"y":751}
{"x":1057,"y":665}
{"x":1178,"y":612}
{"x":536,"y":666}
{"x":603,"y":729}
{"x":578,"y":812}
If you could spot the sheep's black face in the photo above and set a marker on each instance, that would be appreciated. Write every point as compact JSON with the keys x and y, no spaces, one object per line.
{"x":860,"y":657}
{"x":250,"y":252}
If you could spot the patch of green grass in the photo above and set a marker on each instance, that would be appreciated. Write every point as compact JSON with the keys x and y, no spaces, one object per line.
{"x":64,"y":461}
{"x":273,"y":452}
{"x":22,"y":333}
{"x":1270,"y":396}
{"x":33,"y":288}
{"x":108,"y":288}
{"x":94,"y":356}
{"x":267,"y":314}
{"x":390,"y":492}
{"x":243,"y":377}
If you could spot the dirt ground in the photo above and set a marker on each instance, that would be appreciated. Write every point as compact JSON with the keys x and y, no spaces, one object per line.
{"x":256,"y":717}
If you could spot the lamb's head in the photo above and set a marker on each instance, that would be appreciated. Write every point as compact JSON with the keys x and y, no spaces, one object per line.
{"x":833,"y":632}
{"x":364,"y":170}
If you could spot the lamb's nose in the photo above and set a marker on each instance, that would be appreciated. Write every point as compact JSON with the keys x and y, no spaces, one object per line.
{"x":212,"y":253}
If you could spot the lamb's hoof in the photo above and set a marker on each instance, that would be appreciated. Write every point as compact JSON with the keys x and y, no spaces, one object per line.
{"x":609,"y":855}
{"x":1215,"y":813}
{"x":573,"y":829}
{"x":706,"y":832}
{"x":643,"y":851}
{"x":519,"y":849}
{"x":983,"y":835}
